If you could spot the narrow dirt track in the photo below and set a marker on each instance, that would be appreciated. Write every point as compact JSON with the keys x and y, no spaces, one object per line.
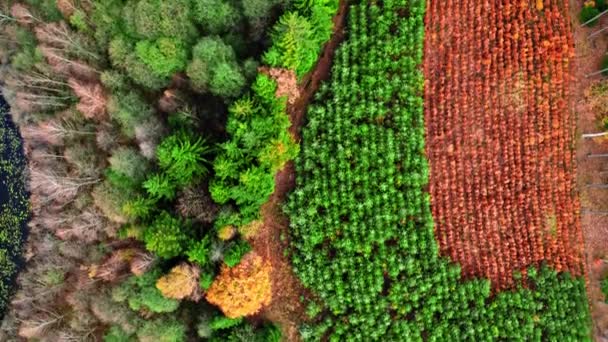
{"x":500,"y":136}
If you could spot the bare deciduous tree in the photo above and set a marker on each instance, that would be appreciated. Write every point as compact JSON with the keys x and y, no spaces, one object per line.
{"x":148,"y":135}
{"x":87,"y":226}
{"x":61,"y":188}
{"x":39,"y":325}
{"x":54,"y":132}
{"x":23,"y":15}
{"x":142,"y":262}
{"x":59,"y":36}
{"x":93,"y":99}
{"x":67,"y":66}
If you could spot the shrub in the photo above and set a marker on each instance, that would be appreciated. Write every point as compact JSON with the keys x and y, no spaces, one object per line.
{"x":294,"y":46}
{"x":235,"y":252}
{"x":216,"y":16}
{"x":182,"y":157}
{"x":116,"y":334}
{"x":127,"y":161}
{"x":140,"y":292}
{"x":162,"y":330}
{"x":164,"y":56}
{"x":587,"y":13}
{"x":160,"y":186}
{"x":214,"y":68}
{"x":199,"y":251}
{"x":167,"y":236}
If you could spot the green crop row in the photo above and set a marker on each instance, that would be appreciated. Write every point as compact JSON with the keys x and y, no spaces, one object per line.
{"x":361,"y":225}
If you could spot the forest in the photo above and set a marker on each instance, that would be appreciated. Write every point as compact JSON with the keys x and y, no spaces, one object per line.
{"x":284,"y":170}
{"x":153,"y":134}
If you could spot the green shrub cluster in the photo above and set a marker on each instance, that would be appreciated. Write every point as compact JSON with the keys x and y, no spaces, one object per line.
{"x":604,"y":287}
{"x":259,"y":143}
{"x":363,"y":237}
{"x":159,"y":329}
{"x":212,"y":327}
{"x":259,"y":146}
{"x":140,"y":293}
{"x":590,"y":10}
{"x":299,"y":35}
{"x":151,"y":40}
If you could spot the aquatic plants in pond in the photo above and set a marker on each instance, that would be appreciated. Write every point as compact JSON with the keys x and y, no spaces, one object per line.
{"x":14,"y":208}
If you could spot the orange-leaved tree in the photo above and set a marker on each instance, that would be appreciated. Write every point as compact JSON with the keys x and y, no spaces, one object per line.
{"x":244,"y":289}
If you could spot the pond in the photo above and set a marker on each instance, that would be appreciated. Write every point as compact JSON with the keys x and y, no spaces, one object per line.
{"x":14,"y":204}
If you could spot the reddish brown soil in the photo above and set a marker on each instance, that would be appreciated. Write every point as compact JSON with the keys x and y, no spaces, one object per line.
{"x":594,"y":202}
{"x":271,"y":241}
{"x":500,"y":136}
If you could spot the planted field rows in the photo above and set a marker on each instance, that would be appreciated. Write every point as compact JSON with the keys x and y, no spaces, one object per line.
{"x":499,"y":136}
{"x":361,"y":228}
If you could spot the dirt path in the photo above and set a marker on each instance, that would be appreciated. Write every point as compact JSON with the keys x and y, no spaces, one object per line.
{"x":593,"y":201}
{"x":272,"y":240}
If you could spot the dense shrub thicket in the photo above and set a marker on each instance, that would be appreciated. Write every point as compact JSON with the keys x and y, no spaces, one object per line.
{"x":151,"y":136}
{"x":361,"y":225}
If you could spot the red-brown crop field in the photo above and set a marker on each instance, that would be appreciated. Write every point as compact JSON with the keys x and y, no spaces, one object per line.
{"x":500,"y":136}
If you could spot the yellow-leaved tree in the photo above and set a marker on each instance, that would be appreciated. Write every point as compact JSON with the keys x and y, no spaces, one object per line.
{"x":244,"y":289}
